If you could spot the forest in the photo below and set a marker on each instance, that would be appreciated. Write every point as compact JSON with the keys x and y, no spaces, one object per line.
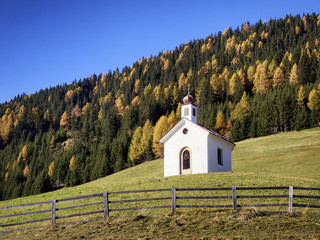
{"x":255,"y":80}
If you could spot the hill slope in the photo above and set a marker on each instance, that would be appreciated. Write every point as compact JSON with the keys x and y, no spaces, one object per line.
{"x":283,"y":159}
{"x":278,"y":160}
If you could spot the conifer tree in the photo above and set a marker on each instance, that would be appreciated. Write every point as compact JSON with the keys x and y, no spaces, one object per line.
{"x":160,"y":130}
{"x":242,"y":109}
{"x":314,"y":100}
{"x":294,"y":77}
{"x":301,"y":97}
{"x":26,"y":171}
{"x":136,"y":150}
{"x":261,"y":82}
{"x":65,"y":120}
{"x":221,"y":123}
{"x":25,"y":153}
{"x":172,"y":120}
{"x":72,"y":163}
{"x":51,"y":169}
{"x":278,"y":77}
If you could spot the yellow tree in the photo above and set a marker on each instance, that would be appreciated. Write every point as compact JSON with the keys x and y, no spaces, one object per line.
{"x":221,"y":123}
{"x":24,"y":153}
{"x":278,"y":77}
{"x":172,"y":120}
{"x":160,"y":130}
{"x":178,"y":112}
{"x":119,"y":105}
{"x":314,"y":100}
{"x":147,"y":133}
{"x":7,"y":127}
{"x":242,"y":109}
{"x":182,"y":81}
{"x":137,"y":86}
{"x":242,"y":77}
{"x":65,"y":120}
{"x":261,"y":82}
{"x":135,"y":150}
{"x":52,"y":143}
{"x":301,"y":97}
{"x":26,"y":171}
{"x":51,"y":169}
{"x":229,"y":125}
{"x":294,"y":77}
{"x":104,"y":80}
{"x":47,"y":116}
{"x":216,"y":82}
{"x":234,"y":82}
{"x":72,"y":163}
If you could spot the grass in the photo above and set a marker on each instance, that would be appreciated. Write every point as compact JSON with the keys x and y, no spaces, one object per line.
{"x":291,"y":155}
{"x":279,"y":160}
{"x":247,"y":224}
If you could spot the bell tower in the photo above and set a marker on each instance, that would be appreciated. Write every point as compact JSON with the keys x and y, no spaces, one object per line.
{"x":188,"y":109}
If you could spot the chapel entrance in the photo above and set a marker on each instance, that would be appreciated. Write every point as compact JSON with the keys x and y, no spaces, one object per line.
{"x":185,"y":161}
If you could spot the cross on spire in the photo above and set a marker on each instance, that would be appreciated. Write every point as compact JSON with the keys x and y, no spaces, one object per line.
{"x":188,"y":88}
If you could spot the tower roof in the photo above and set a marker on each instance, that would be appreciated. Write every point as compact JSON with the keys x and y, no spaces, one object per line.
{"x":188,"y":98}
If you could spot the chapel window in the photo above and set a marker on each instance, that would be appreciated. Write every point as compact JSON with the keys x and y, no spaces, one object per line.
{"x":220,"y":162}
{"x":186,"y":111}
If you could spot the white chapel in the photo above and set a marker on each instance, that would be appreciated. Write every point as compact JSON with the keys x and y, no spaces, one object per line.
{"x":190,"y":148}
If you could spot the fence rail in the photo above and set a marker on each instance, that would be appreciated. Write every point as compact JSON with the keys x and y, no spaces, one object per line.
{"x":176,"y":202}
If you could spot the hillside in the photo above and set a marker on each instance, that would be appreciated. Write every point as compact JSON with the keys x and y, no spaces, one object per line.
{"x":279,"y":160}
{"x":255,"y":80}
{"x":265,"y":161}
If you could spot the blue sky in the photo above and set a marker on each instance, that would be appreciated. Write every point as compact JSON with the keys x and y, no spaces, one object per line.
{"x":45,"y":43}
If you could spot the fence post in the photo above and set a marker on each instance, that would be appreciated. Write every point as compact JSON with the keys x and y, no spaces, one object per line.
{"x":290,"y":199}
{"x":53,"y":212}
{"x":174,"y":197}
{"x":234,"y":198}
{"x":105,"y":205}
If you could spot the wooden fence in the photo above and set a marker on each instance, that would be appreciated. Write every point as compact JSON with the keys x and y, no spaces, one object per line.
{"x":174,"y":200}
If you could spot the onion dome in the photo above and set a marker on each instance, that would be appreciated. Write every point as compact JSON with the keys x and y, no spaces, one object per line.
{"x":188,"y":98}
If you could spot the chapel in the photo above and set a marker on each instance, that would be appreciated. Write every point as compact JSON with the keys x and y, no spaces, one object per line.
{"x":190,"y":148}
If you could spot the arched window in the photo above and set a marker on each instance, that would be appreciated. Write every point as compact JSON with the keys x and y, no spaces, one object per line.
{"x":185,"y":161}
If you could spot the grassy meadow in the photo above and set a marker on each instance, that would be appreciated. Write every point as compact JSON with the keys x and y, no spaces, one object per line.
{"x":278,"y":160}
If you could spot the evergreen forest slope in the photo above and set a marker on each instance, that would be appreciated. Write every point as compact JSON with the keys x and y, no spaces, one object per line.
{"x":255,"y":80}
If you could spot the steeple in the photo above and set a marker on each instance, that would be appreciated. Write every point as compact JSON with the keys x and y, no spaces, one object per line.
{"x":188,"y":109}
